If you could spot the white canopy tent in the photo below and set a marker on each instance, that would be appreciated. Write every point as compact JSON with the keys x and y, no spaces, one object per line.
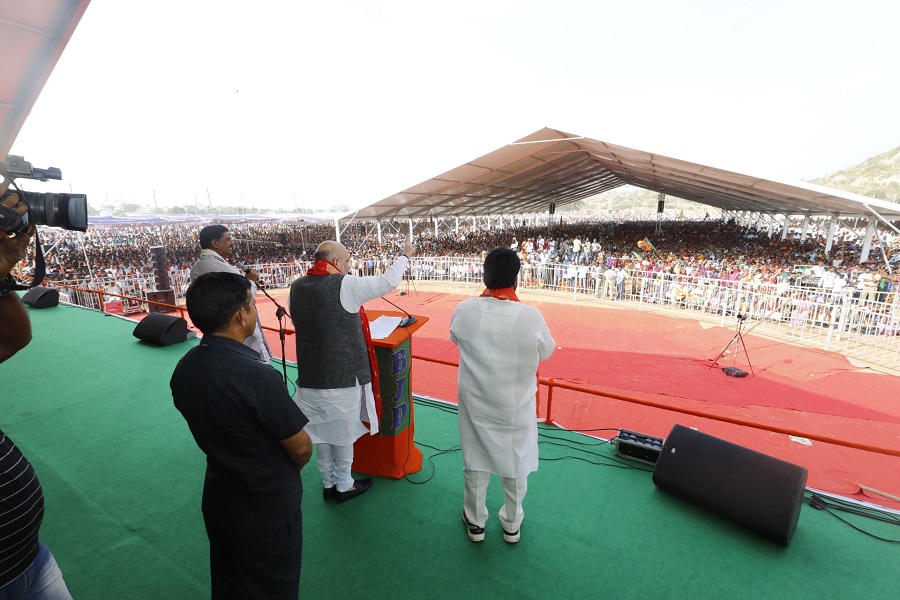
{"x":552,"y":166}
{"x":33,"y":34}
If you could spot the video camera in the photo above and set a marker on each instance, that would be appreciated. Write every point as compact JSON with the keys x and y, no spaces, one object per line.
{"x":68,"y":211}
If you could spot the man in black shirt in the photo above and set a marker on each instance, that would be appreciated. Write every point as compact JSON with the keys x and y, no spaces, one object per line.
{"x":252,"y":433}
{"x":27,"y":568}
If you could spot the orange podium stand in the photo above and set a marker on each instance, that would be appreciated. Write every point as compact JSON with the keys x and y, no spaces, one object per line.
{"x":392,"y":451}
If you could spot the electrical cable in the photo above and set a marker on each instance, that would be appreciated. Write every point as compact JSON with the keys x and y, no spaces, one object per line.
{"x":570,"y":444}
{"x":819,"y":503}
{"x":815,"y":500}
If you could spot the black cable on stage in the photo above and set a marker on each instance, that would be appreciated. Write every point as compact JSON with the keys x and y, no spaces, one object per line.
{"x":819,"y":503}
{"x":542,"y":433}
{"x":815,"y":501}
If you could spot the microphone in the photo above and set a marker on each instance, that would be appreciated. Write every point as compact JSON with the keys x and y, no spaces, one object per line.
{"x":407,"y":320}
{"x":246,"y":269}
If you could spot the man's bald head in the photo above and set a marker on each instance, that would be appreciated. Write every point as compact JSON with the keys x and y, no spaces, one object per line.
{"x":329,"y":250}
{"x":335,"y":253}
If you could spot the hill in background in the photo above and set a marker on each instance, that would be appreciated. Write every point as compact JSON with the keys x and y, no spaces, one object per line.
{"x":876,"y":177}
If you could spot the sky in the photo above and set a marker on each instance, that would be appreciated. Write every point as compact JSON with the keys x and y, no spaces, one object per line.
{"x":286,"y":104}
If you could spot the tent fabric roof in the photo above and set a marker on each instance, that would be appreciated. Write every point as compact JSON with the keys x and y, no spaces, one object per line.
{"x":33,"y":34}
{"x":554,"y":166}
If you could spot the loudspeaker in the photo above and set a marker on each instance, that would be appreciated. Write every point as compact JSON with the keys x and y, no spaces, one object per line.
{"x":41,"y":297}
{"x":752,"y":489}
{"x":161,"y":329}
{"x":163,"y":296}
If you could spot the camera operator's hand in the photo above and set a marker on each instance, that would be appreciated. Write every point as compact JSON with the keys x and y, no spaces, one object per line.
{"x":13,"y":246}
{"x":408,"y":248}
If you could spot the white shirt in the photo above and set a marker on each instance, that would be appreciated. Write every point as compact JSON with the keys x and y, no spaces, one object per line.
{"x":500,"y":344}
{"x":211,"y":262}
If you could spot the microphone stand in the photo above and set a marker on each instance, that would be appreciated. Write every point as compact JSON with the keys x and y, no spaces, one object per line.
{"x":280,"y":312}
{"x":405,"y":322}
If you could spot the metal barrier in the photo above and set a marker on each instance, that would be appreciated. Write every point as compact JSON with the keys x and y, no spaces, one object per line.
{"x":857,"y":323}
{"x":844,"y":310}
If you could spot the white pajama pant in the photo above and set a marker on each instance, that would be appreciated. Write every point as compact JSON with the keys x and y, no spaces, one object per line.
{"x":475,"y":499}
{"x":334,"y":464}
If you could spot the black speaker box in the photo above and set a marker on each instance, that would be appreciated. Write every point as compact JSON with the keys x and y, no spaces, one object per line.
{"x":161,"y":329}
{"x":752,"y":489}
{"x":163,"y":296}
{"x":41,"y":297}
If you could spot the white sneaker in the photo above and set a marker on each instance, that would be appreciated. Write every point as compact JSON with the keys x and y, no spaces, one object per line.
{"x":512,"y":538}
{"x":476,"y":533}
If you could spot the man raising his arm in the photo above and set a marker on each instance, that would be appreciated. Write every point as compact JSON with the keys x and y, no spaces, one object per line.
{"x":334,"y":360}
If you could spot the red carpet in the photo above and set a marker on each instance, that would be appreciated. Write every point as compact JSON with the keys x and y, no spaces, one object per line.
{"x":667,"y":360}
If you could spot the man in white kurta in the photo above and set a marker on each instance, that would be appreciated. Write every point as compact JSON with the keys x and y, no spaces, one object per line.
{"x":500,"y":343}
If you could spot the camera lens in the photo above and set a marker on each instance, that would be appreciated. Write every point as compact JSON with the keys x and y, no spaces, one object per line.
{"x":68,"y":211}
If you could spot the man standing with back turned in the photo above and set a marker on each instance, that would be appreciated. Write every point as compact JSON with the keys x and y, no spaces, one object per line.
{"x":500,"y":343}
{"x":335,"y":360}
{"x":252,"y":433}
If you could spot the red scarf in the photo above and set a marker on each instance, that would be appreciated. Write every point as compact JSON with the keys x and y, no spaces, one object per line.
{"x":320,"y":267}
{"x":501,"y":294}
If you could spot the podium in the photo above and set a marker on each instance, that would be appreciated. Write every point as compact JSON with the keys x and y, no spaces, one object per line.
{"x":392,"y":451}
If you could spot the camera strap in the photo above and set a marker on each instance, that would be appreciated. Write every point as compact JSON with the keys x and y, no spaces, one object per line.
{"x":40,"y":266}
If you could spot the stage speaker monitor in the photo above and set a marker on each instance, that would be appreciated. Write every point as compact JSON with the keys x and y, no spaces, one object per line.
{"x":750,"y":488}
{"x":161,"y":329}
{"x":41,"y":297}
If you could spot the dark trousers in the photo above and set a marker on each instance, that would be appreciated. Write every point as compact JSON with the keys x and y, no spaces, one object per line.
{"x":256,"y":565}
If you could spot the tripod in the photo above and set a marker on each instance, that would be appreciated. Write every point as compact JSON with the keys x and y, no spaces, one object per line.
{"x":407,"y":275}
{"x":738,"y":342}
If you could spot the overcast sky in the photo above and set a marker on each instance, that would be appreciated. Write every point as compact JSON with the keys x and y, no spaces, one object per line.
{"x":271,"y":102}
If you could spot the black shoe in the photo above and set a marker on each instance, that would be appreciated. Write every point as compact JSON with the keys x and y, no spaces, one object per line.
{"x":328,"y":493}
{"x":476,"y":533}
{"x":360,"y":486}
{"x":511,"y":538}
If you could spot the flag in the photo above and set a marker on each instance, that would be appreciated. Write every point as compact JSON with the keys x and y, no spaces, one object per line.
{"x":645,"y":245}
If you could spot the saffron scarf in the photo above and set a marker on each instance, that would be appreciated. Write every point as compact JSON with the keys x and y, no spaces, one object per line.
{"x":501,"y":294}
{"x":320,"y":267}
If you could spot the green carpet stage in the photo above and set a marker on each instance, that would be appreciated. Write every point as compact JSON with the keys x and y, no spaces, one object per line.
{"x":90,"y":407}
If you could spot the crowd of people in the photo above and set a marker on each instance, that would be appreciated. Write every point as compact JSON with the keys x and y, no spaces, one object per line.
{"x":583,"y":245}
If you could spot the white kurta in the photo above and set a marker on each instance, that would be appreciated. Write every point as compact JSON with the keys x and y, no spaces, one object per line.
{"x":336,"y":415}
{"x":500,"y":344}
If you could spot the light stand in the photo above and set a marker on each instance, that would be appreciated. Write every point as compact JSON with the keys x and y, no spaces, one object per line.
{"x":737,"y":341}
{"x":407,"y":275}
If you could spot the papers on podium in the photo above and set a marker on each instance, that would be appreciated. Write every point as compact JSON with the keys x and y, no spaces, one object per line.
{"x":383,"y":326}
